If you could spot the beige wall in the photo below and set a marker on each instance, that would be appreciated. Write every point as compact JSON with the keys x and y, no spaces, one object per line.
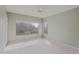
{"x":12,"y":25}
{"x":64,"y":27}
{"x":3,"y":28}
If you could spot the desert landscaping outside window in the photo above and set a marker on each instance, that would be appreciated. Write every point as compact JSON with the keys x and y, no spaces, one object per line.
{"x":26,"y":28}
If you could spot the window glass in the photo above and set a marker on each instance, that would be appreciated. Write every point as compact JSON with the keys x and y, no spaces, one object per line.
{"x":45,"y":28}
{"x":26,"y":28}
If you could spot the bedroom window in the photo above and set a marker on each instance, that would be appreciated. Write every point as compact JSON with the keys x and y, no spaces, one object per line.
{"x":26,"y":28}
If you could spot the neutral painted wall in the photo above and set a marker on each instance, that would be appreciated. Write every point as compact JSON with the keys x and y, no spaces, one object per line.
{"x":12,"y":25}
{"x":64,"y":27}
{"x":3,"y":28}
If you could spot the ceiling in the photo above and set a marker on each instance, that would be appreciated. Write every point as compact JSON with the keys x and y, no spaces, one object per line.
{"x":39,"y":10}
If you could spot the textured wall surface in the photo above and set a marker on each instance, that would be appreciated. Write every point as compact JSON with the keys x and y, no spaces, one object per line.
{"x":64,"y":27}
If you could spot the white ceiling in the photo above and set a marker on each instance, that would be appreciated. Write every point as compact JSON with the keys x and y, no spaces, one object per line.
{"x":33,"y":10}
